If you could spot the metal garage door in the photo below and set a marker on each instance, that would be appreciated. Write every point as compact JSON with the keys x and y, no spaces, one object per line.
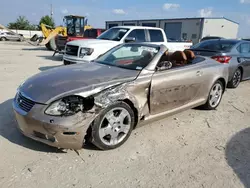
{"x":173,"y":30}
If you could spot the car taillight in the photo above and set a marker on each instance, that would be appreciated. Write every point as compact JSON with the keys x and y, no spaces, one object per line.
{"x":222,"y":59}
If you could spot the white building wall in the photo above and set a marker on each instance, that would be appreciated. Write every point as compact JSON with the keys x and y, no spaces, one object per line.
{"x":220,"y":27}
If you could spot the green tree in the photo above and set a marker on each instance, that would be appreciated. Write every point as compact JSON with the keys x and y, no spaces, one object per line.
{"x":47,"y":20}
{"x":21,"y":23}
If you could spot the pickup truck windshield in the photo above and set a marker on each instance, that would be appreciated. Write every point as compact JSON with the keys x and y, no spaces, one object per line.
{"x":114,"y":34}
{"x":129,"y":56}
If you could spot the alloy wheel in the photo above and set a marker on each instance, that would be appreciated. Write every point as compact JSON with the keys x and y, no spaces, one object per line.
{"x":115,"y":126}
{"x":237,"y":78}
{"x":215,"y":95}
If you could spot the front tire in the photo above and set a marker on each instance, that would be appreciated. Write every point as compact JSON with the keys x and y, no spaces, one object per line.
{"x":3,"y":39}
{"x":235,"y":81}
{"x":113,"y":126}
{"x":215,"y":96}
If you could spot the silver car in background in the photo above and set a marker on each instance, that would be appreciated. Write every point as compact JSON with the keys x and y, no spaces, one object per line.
{"x":235,"y":53}
{"x":4,"y":36}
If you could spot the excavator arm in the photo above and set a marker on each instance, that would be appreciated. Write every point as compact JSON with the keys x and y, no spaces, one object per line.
{"x":50,"y":33}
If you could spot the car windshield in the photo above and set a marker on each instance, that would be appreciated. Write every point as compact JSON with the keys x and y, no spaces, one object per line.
{"x":115,"y":34}
{"x":216,"y":45}
{"x":129,"y":56}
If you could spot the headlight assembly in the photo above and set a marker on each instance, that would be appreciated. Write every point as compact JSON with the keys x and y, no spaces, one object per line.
{"x":86,"y":51}
{"x":69,"y":106}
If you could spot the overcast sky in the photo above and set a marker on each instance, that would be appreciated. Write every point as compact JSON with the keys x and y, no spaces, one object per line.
{"x":99,"y":11}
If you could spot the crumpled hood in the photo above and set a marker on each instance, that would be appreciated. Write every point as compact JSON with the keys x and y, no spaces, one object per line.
{"x":81,"y":79}
{"x":92,"y":42}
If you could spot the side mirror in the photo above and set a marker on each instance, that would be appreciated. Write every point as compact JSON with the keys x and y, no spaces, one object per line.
{"x":129,"y":39}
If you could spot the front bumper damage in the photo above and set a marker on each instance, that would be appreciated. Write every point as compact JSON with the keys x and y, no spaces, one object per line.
{"x":61,"y":132}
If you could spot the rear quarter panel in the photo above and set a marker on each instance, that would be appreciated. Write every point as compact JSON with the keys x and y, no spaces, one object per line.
{"x":213,"y":71}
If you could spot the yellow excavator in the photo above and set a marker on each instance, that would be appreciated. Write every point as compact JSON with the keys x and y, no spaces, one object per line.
{"x":75,"y":27}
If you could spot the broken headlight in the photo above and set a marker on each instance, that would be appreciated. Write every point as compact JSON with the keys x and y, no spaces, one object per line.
{"x":69,"y":106}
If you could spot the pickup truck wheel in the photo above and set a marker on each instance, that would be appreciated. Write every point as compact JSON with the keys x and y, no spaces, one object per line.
{"x":215,"y":96}
{"x":3,"y":39}
{"x":113,"y":126}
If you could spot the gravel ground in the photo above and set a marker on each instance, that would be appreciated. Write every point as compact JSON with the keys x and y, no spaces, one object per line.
{"x":192,"y":149}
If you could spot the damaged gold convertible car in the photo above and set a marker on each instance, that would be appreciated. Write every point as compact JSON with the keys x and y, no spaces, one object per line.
{"x":104,"y":100}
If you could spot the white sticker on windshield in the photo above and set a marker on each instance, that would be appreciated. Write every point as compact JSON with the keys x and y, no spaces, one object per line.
{"x":138,"y":68}
{"x":123,"y":30}
{"x":149,"y":49}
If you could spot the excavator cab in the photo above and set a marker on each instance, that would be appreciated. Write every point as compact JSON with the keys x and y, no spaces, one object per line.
{"x":75,"y":25}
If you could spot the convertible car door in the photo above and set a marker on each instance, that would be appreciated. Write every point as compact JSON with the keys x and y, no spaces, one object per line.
{"x":175,"y":88}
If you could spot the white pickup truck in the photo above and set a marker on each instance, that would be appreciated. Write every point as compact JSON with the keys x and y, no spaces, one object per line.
{"x":86,"y":50}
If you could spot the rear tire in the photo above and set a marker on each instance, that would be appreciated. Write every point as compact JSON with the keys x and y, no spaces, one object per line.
{"x":215,"y":96}
{"x":235,"y":81}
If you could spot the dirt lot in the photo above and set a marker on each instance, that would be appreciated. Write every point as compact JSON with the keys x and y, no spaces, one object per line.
{"x":192,"y":149}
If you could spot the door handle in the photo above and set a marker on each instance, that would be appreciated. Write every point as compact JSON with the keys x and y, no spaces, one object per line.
{"x":198,"y":73}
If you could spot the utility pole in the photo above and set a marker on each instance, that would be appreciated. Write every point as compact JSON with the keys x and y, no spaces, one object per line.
{"x":51,"y":11}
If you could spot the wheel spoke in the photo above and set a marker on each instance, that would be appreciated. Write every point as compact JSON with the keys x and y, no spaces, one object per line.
{"x":214,"y":99}
{"x":110,"y":117}
{"x":124,"y":129}
{"x":114,"y":138}
{"x":213,"y":92}
{"x":105,"y":131}
{"x":123,"y":114}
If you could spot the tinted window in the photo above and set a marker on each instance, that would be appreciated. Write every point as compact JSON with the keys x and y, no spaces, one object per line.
{"x":91,"y":33}
{"x":216,"y":45}
{"x":127,"y":24}
{"x":184,"y":36}
{"x":156,"y":36}
{"x":112,"y":25}
{"x":149,"y":24}
{"x":194,"y":36}
{"x":129,"y":56}
{"x":115,"y":34}
{"x":244,"y":48}
{"x":138,"y":34}
{"x":210,"y":38}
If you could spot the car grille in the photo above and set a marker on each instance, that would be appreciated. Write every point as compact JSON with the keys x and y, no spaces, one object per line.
{"x":71,"y":50}
{"x":24,"y":103}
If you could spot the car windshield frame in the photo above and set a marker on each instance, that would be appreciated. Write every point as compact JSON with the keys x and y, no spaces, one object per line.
{"x":114,"y":34}
{"x":214,"y":43}
{"x":130,"y":60}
